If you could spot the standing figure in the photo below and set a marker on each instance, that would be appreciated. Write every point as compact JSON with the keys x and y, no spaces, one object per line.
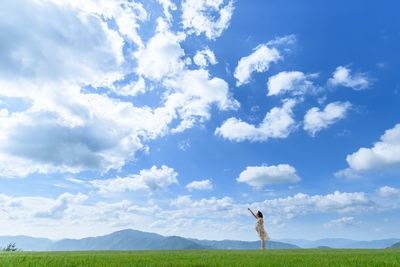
{"x":260,"y":228}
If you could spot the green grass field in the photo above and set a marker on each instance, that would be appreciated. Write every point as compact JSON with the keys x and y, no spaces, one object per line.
{"x":297,"y":257}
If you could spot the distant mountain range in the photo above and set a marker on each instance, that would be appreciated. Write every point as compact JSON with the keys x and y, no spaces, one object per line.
{"x":132,"y":240}
{"x":396,"y":245}
{"x":136,"y":240}
{"x":342,"y":243}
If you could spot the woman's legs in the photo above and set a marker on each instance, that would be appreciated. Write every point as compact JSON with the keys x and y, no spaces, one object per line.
{"x":263,"y":244}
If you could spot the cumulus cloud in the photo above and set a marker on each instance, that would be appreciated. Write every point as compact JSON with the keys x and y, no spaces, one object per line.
{"x":40,"y":207}
{"x":132,"y":88}
{"x":204,"y":57}
{"x":150,"y":180}
{"x":197,"y":217}
{"x":162,"y":55}
{"x":127,"y":14}
{"x":343,"y":77}
{"x":302,"y":204}
{"x":66,"y":127}
{"x":189,"y":93}
{"x":168,"y":6}
{"x":200,"y":185}
{"x":70,"y":215}
{"x":286,"y":208}
{"x":258,"y":176}
{"x":197,"y":16}
{"x":60,"y":205}
{"x":387,"y":191}
{"x":63,"y":129}
{"x":86,"y":52}
{"x":293,"y":82}
{"x":278,"y":123}
{"x":74,"y":132}
{"x":193,"y":92}
{"x":316,"y":120}
{"x":347,"y":173}
{"x":258,"y":61}
{"x":203,"y":204}
{"x":261,"y":58}
{"x":383,"y":154}
{"x":78,"y":217}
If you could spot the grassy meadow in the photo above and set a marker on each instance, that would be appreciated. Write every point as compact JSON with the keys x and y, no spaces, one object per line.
{"x":296,"y":257}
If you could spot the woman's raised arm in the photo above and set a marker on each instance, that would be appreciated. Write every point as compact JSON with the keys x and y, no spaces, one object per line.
{"x":252,"y":213}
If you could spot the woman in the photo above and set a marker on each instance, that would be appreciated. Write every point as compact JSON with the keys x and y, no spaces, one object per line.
{"x":260,"y":228}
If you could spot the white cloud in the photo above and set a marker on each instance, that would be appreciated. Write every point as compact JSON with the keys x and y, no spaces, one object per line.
{"x":200,"y":185}
{"x":58,"y":208}
{"x":387,"y":191}
{"x":302,"y":204}
{"x":341,"y":222}
{"x":127,"y":17}
{"x":283,"y":41}
{"x":189,"y":93}
{"x":132,"y":88}
{"x":316,"y":120}
{"x":73,"y":132}
{"x":70,"y":215}
{"x":343,"y":77}
{"x":203,"y":204}
{"x":258,"y":176}
{"x":192,"y":94}
{"x":258,"y":61}
{"x":197,"y":18}
{"x":150,"y":180}
{"x":32,"y":49}
{"x":293,"y":82}
{"x":168,"y":6}
{"x":278,"y":123}
{"x":63,"y":129}
{"x":40,"y":207}
{"x":204,"y":57}
{"x":68,"y":128}
{"x":73,"y":215}
{"x":347,"y":173}
{"x":261,"y":58}
{"x":162,"y":55}
{"x":75,"y":180}
{"x":127,"y":14}
{"x":385,"y":153}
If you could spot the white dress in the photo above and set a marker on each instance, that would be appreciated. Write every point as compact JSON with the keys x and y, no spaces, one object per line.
{"x":260,"y":229}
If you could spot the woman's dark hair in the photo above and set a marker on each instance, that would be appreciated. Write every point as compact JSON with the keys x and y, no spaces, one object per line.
{"x":259,"y":214}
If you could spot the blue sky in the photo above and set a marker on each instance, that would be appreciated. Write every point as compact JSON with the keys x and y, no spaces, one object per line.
{"x":175,"y":116}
